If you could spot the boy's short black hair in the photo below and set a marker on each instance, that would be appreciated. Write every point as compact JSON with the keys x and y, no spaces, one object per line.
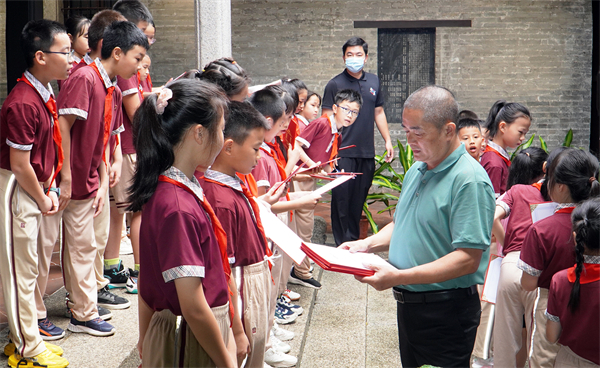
{"x":124,"y":35}
{"x":268,"y":103}
{"x":467,"y":123}
{"x":349,"y":95}
{"x":134,"y":10}
{"x":464,"y":114}
{"x":38,"y":35}
{"x":299,"y":84}
{"x":241,"y":120}
{"x":356,"y":41}
{"x":288,"y":94}
{"x":100,"y":21}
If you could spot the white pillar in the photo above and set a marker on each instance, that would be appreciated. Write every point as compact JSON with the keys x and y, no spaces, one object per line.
{"x":213,"y":30}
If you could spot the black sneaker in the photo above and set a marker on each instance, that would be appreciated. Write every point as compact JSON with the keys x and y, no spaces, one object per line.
{"x":311,"y":283}
{"x":109,"y":300}
{"x":96,"y":327}
{"x":117,"y":277}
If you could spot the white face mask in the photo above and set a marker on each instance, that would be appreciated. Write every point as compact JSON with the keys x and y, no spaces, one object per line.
{"x":355,"y":64}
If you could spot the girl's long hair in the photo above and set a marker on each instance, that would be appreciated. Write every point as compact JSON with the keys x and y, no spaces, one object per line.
{"x":156,"y":135}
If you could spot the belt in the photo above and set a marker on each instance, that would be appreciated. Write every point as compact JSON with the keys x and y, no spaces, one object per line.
{"x":409,"y":297}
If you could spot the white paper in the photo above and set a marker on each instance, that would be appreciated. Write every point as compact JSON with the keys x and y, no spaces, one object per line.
{"x":281,"y":235}
{"x":343,"y":257}
{"x":329,"y":186}
{"x":542,"y":210}
{"x":492,"y":279}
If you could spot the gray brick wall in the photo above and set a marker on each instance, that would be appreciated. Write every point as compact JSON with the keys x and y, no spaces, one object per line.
{"x":534,"y":52}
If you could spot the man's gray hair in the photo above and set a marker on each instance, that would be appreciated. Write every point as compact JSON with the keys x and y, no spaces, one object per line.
{"x":436,"y":102}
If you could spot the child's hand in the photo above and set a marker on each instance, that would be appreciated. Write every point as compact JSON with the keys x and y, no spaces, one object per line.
{"x":54,"y":198}
{"x":242,"y":347}
{"x":46,"y":205}
{"x":65,"y":194}
{"x":115,"y":174}
{"x":302,"y":177}
{"x":272,"y":196}
{"x":308,"y":202}
{"x":98,"y":203}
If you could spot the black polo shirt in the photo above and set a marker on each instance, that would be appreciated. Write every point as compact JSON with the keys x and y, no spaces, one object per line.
{"x":361,"y":133}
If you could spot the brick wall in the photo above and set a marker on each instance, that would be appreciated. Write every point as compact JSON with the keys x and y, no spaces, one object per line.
{"x":534,"y":52}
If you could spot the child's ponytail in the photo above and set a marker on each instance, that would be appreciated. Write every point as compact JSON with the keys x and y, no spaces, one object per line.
{"x":154,"y":153}
{"x":158,"y":130}
{"x":578,"y":170}
{"x":586,"y":225}
{"x":544,"y":189}
{"x":527,"y":167}
{"x":503,"y":111}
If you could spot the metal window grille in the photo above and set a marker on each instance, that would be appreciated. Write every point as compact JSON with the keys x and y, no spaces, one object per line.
{"x":86,"y":8}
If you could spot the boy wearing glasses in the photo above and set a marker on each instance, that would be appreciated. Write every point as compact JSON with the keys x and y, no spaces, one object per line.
{"x":321,"y":141}
{"x":29,"y":148}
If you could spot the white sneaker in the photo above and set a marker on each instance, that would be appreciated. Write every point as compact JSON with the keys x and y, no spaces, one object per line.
{"x":277,"y":359}
{"x":281,"y":333}
{"x":265,"y":365}
{"x":279,"y":345}
{"x":483,"y":363}
{"x":292,"y":295}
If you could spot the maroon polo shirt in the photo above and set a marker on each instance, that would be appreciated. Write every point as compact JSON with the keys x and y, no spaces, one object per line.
{"x":177,"y":240}
{"x":83,"y":95}
{"x":128,"y":87}
{"x":27,"y":124}
{"x":245,"y":244}
{"x":580,"y":330}
{"x":317,"y":138}
{"x":518,"y":199}
{"x":146,"y":85}
{"x":266,"y":172}
{"x":496,"y":169}
{"x":548,"y":247}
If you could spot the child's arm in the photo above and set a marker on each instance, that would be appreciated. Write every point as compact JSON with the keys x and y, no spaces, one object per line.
{"x":241,"y":340}
{"x":201,"y":320}
{"x":20,"y":165}
{"x":115,"y":168}
{"x":528,"y":282}
{"x":145,"y":314}
{"x":497,"y":228}
{"x":65,"y":122}
{"x":271,"y":196}
{"x":307,"y":202}
{"x":98,"y":203}
{"x":131,"y":103}
{"x":553,"y":330}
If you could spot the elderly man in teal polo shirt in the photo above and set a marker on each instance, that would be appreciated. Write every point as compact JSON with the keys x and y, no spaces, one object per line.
{"x":438,"y":242}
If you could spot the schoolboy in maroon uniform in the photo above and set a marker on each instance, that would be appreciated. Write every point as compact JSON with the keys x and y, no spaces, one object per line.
{"x":236,"y":209}
{"x":85,"y":126}
{"x":137,"y":13}
{"x":27,"y":156}
{"x":321,"y":141}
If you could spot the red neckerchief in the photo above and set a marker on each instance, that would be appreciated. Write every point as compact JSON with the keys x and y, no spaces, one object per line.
{"x":217,"y":228}
{"x":254,"y":208}
{"x":289,"y":137}
{"x":490,"y":149}
{"x":149,"y":81}
{"x":140,"y":88}
{"x":334,"y":143}
{"x":565,"y":210}
{"x":590,"y":273}
{"x":538,"y":186}
{"x":108,"y":114}
{"x":250,"y":183}
{"x":280,"y":166}
{"x":51,"y":106}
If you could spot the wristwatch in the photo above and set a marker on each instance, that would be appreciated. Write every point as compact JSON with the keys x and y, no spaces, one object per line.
{"x":52,"y":189}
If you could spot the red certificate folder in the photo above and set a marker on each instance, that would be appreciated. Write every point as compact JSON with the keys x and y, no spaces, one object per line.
{"x":340,"y":260}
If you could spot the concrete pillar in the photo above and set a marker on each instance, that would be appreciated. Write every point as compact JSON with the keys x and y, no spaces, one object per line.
{"x":213,"y":30}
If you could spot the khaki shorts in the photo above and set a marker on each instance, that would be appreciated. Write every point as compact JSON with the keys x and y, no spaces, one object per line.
{"x":118,"y":193}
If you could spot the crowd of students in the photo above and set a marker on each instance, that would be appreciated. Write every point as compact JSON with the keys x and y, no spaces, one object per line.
{"x":192,"y":164}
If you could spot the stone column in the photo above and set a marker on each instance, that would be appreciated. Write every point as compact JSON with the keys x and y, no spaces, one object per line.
{"x":213,"y":30}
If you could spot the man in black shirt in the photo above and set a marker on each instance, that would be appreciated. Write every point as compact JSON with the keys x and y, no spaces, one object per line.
{"x":348,"y":198}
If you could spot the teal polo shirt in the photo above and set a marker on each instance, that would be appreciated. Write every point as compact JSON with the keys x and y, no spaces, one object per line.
{"x":448,"y":207}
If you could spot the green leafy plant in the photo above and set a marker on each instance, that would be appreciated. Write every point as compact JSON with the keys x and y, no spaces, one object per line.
{"x":568,"y":138}
{"x":387,"y":179}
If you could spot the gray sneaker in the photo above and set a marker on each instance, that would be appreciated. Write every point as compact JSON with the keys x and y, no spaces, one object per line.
{"x":109,"y":300}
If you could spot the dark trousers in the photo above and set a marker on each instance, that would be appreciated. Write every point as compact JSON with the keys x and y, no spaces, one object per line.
{"x":441,"y":334}
{"x":347,"y":199}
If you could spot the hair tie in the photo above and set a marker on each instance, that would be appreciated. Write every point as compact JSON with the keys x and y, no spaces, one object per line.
{"x":527,"y":153}
{"x":162,"y":100}
{"x":592,"y":179}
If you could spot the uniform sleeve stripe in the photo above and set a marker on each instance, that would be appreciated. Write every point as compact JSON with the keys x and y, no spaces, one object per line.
{"x":20,"y":147}
{"x":303,"y":141}
{"x":129,"y":92}
{"x":183,"y":271}
{"x":263,"y":183}
{"x":528,"y":269}
{"x":73,"y":111}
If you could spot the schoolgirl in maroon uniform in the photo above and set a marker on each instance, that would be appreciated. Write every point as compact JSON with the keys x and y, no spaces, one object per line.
{"x":184,"y":267}
{"x":512,"y":300}
{"x":548,"y":245}
{"x":507,"y":124}
{"x":574,"y":297}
